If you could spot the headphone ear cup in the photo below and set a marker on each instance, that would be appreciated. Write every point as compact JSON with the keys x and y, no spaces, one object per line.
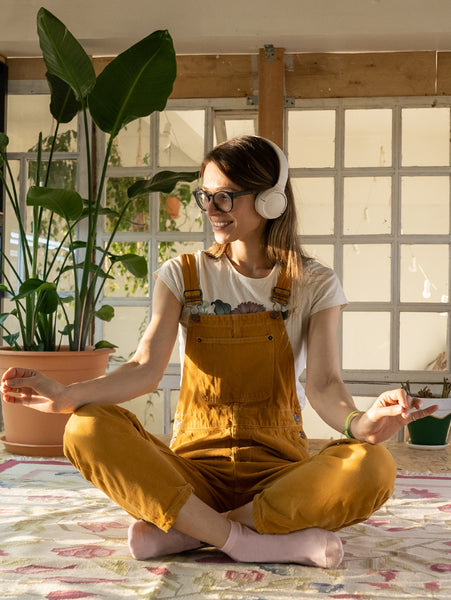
{"x":271,"y":203}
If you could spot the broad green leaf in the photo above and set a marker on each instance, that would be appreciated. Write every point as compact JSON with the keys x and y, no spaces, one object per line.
{"x":11,"y":339}
{"x":135,"y":264}
{"x":104,"y":344}
{"x":66,"y":299}
{"x":164,"y":181}
{"x":65,"y":203}
{"x":3,"y":288}
{"x":4,"y":140}
{"x":67,"y":329}
{"x":63,"y":54}
{"x":134,"y":84}
{"x":29,"y":286}
{"x":3,"y":317}
{"x":105,"y":312}
{"x":63,"y":104}
{"x":48,"y":300}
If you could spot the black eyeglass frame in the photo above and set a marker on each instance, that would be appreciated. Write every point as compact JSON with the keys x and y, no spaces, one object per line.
{"x":211,"y":198}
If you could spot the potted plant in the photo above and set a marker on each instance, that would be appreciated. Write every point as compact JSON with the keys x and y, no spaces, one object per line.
{"x":136,"y":83}
{"x":431,"y":432}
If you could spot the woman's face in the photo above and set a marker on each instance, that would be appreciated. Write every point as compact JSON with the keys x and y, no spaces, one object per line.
{"x":242,"y":223}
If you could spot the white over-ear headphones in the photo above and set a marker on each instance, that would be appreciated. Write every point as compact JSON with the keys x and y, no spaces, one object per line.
{"x":272,"y":203}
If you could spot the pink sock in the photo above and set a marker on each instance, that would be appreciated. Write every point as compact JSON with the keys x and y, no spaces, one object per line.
{"x":148,"y":541}
{"x":314,"y":547}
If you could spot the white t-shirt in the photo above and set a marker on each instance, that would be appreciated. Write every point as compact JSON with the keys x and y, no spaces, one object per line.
{"x":226,"y":291}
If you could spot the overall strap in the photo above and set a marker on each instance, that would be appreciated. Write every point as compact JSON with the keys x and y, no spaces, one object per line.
{"x":193,"y":293}
{"x":281,"y":292}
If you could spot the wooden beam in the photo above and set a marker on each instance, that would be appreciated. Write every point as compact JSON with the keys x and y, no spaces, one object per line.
{"x":219,"y":76}
{"x":444,"y":73}
{"x":360,"y":75}
{"x":271,"y":94}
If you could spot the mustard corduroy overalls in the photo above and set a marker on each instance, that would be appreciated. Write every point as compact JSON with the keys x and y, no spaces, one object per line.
{"x":238,"y":435}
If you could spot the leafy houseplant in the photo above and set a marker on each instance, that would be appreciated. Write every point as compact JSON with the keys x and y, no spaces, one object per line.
{"x":431,"y":431}
{"x":63,"y":278}
{"x":136,"y":83}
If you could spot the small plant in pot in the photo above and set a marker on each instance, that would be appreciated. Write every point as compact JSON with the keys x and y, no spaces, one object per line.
{"x":133,"y":85}
{"x":431,"y":432}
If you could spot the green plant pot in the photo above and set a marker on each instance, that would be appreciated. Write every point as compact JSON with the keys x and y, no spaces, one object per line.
{"x":430,"y":431}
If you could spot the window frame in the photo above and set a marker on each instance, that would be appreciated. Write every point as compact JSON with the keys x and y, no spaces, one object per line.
{"x":371,"y":382}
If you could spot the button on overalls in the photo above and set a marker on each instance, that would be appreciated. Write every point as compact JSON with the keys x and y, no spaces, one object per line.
{"x":238,"y":435}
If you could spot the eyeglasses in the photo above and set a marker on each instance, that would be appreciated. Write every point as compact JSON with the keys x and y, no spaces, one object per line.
{"x":222,"y":201}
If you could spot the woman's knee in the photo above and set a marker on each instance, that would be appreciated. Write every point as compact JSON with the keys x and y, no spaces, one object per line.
{"x":89,"y":428}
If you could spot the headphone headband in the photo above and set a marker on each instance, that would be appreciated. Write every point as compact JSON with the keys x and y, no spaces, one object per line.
{"x":272,"y":203}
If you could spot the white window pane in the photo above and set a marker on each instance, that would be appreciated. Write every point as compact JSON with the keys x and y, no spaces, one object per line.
{"x":311,"y":138}
{"x":126,"y":329}
{"x":368,"y":135}
{"x":424,"y":273}
{"x":423,"y":341}
{"x":366,"y":340}
{"x":171,"y":249}
{"x":179,"y":211}
{"x":181,"y":139}
{"x":425,"y":205}
{"x":425,"y":136}
{"x":27,"y":115}
{"x":323,"y":253}
{"x":124,"y":283}
{"x":366,"y":272}
{"x":131,"y":146}
{"x":314,"y":199}
{"x":367,"y":205}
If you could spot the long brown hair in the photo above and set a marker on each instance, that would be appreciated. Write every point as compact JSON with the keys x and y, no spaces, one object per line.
{"x":252,"y":163}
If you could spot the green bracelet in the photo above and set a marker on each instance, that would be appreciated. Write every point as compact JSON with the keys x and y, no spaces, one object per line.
{"x":349,"y":418}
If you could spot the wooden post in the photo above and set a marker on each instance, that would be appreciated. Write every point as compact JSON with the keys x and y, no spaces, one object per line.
{"x":271,"y":93}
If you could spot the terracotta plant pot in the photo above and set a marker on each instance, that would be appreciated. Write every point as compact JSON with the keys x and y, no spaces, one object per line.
{"x":432,"y":431}
{"x":31,"y":432}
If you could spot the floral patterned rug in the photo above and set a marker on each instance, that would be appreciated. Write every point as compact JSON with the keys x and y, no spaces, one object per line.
{"x":62,"y":539}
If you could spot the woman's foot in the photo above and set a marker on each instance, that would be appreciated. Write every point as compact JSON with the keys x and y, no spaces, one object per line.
{"x":314,"y":547}
{"x":148,"y":541}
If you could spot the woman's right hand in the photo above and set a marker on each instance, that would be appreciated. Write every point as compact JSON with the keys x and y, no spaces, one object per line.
{"x":31,"y":388}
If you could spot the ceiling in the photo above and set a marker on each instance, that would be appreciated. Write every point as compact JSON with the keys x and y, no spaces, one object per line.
{"x":106,"y":27}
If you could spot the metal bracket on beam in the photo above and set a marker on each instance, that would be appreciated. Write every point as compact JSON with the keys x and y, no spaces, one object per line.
{"x":269,"y":52}
{"x":252,"y":100}
{"x":288,"y":102}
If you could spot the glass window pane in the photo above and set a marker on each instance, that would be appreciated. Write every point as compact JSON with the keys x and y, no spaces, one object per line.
{"x":423,"y":341}
{"x":323,"y":253}
{"x":131,"y":147}
{"x":27,"y":115}
{"x":170,"y":249}
{"x":311,"y":138}
{"x":425,"y":136}
{"x":136,"y":217}
{"x":124,"y":283}
{"x":366,"y":340}
{"x":367,"y":205}
{"x":181,"y":140}
{"x":424,"y":273}
{"x":314,"y":199}
{"x":425,"y":205}
{"x":366,"y":272}
{"x":368,"y":135}
{"x":126,"y":329}
{"x":227,"y":127}
{"x":179,"y":211}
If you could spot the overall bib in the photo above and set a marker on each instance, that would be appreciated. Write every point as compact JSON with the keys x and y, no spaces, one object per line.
{"x":238,"y":435}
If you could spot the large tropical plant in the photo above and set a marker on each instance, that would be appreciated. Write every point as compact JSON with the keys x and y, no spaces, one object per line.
{"x":133,"y":85}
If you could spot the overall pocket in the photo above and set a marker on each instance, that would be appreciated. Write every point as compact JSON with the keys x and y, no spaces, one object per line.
{"x":235,"y":369}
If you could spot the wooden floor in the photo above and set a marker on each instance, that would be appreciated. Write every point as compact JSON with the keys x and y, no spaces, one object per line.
{"x":409,"y":460}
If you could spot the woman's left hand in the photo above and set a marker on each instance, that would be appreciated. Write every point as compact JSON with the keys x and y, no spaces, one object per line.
{"x":390,"y":413}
